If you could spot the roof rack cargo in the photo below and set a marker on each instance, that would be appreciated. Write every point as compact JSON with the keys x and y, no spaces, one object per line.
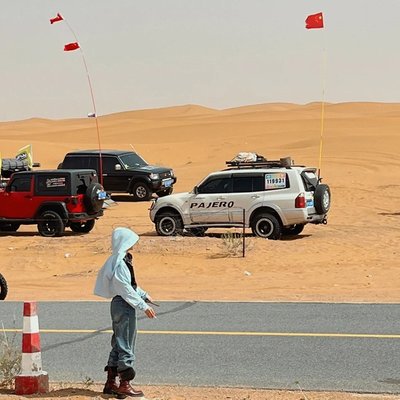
{"x":260,"y":162}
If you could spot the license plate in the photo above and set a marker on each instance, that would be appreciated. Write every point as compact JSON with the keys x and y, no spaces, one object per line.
{"x":102,"y":195}
{"x":168,"y":182}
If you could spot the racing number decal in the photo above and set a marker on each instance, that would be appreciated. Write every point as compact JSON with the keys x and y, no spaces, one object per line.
{"x":275,"y":180}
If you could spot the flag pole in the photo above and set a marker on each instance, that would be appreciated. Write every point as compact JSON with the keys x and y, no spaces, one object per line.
{"x":322,"y":111}
{"x":91,"y":95}
{"x":316,"y":21}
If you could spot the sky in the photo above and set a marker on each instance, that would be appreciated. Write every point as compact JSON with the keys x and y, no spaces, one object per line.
{"x":213,"y":53}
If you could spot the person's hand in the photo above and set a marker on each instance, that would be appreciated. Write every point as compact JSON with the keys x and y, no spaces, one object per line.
{"x":149,"y":298}
{"x":150,"y":313}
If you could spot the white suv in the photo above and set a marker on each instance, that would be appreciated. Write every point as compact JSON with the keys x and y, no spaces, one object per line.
{"x":273,"y":198}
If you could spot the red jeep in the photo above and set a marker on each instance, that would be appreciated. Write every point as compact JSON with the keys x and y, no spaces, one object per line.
{"x":53,"y":200}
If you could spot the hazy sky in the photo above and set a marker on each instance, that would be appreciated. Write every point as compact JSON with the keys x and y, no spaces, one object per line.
{"x":215,"y":53}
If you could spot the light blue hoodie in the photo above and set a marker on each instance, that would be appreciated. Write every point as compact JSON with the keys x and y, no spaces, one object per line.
{"x":114,"y":277}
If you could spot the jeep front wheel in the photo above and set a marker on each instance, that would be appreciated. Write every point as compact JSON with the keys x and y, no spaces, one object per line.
{"x":141,"y":192}
{"x":50,"y":224}
{"x":169,"y":225}
{"x":266,"y":226}
{"x":82,"y":227}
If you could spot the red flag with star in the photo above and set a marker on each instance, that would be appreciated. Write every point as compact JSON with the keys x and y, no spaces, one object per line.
{"x":57,"y":18}
{"x":71,"y":46}
{"x":315,"y":21}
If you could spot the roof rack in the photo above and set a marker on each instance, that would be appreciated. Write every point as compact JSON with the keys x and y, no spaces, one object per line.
{"x":261,"y":162}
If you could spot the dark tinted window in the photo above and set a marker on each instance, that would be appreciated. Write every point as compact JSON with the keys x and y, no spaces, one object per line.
{"x":248,"y":183}
{"x":216,"y":185}
{"x":52,"y":184}
{"x":132,"y":160}
{"x":242,"y":184}
{"x":79,"y":162}
{"x":258,"y":183}
{"x":21,"y":184}
{"x":109,"y":163}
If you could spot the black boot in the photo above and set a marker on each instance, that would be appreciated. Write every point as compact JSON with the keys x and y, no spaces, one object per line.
{"x":110,"y":387}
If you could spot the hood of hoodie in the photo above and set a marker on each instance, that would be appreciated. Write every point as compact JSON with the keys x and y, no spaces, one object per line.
{"x":122,"y":240}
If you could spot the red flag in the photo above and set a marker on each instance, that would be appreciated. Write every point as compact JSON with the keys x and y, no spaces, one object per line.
{"x":56,"y":18}
{"x":71,"y":46}
{"x":315,"y":21}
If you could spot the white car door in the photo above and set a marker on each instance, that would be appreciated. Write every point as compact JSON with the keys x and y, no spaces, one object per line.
{"x":210,"y":204}
{"x":247,"y":191}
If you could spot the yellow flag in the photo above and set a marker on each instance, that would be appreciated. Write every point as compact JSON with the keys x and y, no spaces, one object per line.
{"x":25,"y":153}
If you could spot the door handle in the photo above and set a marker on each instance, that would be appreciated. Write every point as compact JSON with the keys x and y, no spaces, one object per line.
{"x":221,"y":198}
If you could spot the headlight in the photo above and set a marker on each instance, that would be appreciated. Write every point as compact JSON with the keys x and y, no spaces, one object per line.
{"x":154,"y":176}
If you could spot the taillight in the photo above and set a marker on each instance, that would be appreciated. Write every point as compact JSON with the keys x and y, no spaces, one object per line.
{"x":300,"y":201}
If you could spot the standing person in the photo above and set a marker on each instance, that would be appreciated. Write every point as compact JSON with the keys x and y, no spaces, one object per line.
{"x":116,"y":280}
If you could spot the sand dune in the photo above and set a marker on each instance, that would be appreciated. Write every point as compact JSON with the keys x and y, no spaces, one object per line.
{"x":353,"y":258}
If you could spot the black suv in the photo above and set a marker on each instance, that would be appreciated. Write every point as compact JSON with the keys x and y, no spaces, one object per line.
{"x":124,"y":172}
{"x":53,"y":200}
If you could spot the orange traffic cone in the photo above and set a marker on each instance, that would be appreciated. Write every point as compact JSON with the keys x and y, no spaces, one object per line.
{"x":32,"y":378}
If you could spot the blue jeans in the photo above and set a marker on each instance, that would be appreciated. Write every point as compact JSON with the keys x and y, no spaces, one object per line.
{"x":123,"y":339}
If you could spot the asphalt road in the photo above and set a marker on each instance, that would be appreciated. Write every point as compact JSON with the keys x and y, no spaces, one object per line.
{"x":317,"y":346}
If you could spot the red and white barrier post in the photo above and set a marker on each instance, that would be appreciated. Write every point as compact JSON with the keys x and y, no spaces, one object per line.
{"x":32,"y":378}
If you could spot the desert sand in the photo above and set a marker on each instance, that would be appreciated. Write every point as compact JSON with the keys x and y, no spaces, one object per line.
{"x":354,"y":258}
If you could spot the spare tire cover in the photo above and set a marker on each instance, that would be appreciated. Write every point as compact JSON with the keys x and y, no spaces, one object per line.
{"x":322,"y":198}
{"x":93,"y":203}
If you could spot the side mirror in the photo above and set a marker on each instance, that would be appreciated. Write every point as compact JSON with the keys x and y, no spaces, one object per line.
{"x":195,"y":190}
{"x":118,"y":167}
{"x":8,"y":188}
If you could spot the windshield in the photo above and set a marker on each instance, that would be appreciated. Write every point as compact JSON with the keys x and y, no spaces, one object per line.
{"x":132,"y":160}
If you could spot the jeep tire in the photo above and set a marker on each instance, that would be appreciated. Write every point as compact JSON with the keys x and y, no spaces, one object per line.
{"x":50,"y":224}
{"x":322,"y":198}
{"x":141,"y":191}
{"x":3,"y":287}
{"x":266,"y":226}
{"x":82,"y":227}
{"x":93,"y":203}
{"x":168,"y":224}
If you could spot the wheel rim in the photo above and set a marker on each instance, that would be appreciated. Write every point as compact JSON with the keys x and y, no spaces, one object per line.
{"x":141,"y":192}
{"x":167,"y":226}
{"x":326,"y":200}
{"x":49,"y":226}
{"x":264,"y":228}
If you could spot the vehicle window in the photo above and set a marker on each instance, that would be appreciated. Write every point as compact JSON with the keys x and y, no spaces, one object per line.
{"x":109,"y":163}
{"x":258,"y":183}
{"x":21,"y":184}
{"x":310,"y":180}
{"x":216,"y":185}
{"x":242,"y":184}
{"x":52,"y":185}
{"x":276,"y":180}
{"x":132,"y":160}
{"x":76,"y":162}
